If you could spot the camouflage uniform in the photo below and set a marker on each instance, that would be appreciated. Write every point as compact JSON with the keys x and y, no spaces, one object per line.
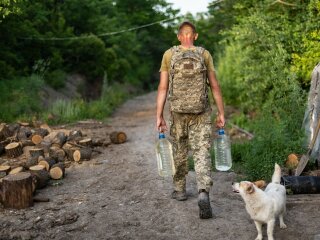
{"x":192,"y":130}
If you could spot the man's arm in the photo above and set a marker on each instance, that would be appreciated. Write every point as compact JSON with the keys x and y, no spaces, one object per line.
{"x":216,"y":92}
{"x":161,"y":100}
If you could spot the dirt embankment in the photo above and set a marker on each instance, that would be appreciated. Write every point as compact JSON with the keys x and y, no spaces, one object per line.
{"x":118,"y":195}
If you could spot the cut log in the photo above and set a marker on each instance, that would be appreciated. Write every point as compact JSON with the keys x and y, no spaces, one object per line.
{"x":36,"y":153}
{"x":118,"y":137}
{"x":82,"y":154}
{"x":75,"y":135}
{"x":47,"y":162}
{"x":24,"y":133}
{"x":26,"y":151}
{"x":57,"y":171}
{"x":24,"y":124}
{"x":46,"y":126}
{"x":1,"y":149}
{"x":13,"y":150}
{"x":14,"y":128}
{"x":59,"y":139}
{"x":16,"y":170}
{"x":17,"y":191}
{"x":40,"y":177}
{"x":292,"y":161}
{"x":86,"y":142}
{"x":69,"y":150}
{"x":98,"y":142}
{"x":25,"y":143}
{"x":37,"y":168}
{"x":4,"y":132}
{"x":31,"y":162}
{"x":36,"y":138}
{"x":5,"y":169}
{"x":57,"y":153}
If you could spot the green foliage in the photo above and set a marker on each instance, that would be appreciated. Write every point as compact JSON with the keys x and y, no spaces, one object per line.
{"x":20,"y":98}
{"x":55,"y":79}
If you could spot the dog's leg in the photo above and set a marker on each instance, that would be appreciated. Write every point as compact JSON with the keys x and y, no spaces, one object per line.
{"x":259,"y":229}
{"x":270,"y":229}
{"x":282,"y":224}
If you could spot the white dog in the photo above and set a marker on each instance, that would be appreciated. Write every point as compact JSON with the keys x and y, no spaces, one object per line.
{"x":264,"y":206}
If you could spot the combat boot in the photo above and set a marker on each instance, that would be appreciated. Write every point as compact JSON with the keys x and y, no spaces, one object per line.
{"x":179,"y":195}
{"x":205,"y":210}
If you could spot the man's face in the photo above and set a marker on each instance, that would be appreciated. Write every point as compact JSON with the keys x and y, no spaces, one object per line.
{"x":186,"y":36}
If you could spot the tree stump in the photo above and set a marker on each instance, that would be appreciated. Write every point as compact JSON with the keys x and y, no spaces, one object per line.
{"x":57,"y":171}
{"x":5,"y":169}
{"x":16,"y":170}
{"x":40,"y":177}
{"x":13,"y":150}
{"x":4,"y":131}
{"x":47,"y":162}
{"x":82,"y":154}
{"x":57,"y":153}
{"x":118,"y":137}
{"x":86,"y":142}
{"x":17,"y":191}
{"x":36,"y":152}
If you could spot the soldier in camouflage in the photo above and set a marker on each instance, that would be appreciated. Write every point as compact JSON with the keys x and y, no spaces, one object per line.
{"x":185,"y":74}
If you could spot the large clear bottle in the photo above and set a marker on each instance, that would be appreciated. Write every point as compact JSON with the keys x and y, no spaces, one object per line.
{"x":222,"y":151}
{"x":164,"y":157}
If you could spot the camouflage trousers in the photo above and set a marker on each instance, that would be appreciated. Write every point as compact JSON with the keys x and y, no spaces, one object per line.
{"x":191,"y":132}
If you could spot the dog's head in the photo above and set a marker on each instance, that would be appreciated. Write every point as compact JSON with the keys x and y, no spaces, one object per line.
{"x":244,"y":188}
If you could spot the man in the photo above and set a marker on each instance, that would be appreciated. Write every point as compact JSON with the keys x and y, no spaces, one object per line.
{"x":184,"y":72}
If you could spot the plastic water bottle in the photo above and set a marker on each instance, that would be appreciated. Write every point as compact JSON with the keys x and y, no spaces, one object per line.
{"x":222,"y":151}
{"x":164,"y":157}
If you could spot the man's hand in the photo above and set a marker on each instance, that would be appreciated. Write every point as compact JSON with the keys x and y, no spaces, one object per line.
{"x":220,"y":121}
{"x":161,"y":125}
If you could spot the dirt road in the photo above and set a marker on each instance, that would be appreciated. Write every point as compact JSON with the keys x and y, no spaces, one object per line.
{"x":118,"y":195}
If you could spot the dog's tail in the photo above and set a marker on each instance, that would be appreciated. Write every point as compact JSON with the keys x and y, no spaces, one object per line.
{"x":276,"y":177}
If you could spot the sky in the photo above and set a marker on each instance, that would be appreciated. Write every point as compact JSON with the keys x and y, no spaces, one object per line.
{"x":192,"y":6}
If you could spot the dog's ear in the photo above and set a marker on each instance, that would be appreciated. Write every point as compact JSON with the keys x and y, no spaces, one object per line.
{"x":250,"y":188}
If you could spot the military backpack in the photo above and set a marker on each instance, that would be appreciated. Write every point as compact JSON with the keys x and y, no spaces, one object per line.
{"x":188,"y":85}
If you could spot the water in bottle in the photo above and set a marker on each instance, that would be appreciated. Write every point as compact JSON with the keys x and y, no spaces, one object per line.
{"x":222,"y":151}
{"x":164,"y":157}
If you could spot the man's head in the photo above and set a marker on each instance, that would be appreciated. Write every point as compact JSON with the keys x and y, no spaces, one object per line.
{"x":187,"y":34}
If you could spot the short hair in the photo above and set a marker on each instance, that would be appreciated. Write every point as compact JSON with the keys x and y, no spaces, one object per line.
{"x":187,"y":23}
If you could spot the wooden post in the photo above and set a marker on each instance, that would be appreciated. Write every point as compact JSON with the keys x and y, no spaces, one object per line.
{"x":118,"y":137}
{"x":17,"y":191}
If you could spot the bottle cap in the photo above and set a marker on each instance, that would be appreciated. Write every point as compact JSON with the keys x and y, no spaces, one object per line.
{"x":161,"y":135}
{"x":221,"y":131}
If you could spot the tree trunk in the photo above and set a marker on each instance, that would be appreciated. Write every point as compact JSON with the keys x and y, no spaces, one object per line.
{"x":82,"y":154}
{"x":13,"y":150}
{"x":17,"y":191}
{"x":57,"y":171}
{"x":118,"y":137}
{"x":69,"y":149}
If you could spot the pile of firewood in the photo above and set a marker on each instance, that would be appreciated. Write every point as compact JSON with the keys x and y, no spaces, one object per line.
{"x":42,"y":153}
